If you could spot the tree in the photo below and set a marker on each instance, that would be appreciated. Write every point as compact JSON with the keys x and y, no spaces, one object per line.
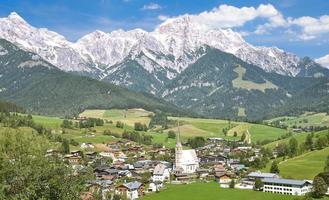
{"x":196,"y":142}
{"x":65,"y":146}
{"x":33,"y":175}
{"x":274,"y":168}
{"x":258,"y":184}
{"x":232,"y":184}
{"x":326,"y":165}
{"x":235,"y":134}
{"x":293,"y":147}
{"x":309,"y":142}
{"x":119,"y":124}
{"x":243,"y":136}
{"x":171,"y":134}
{"x":320,"y":143}
{"x":319,"y":187}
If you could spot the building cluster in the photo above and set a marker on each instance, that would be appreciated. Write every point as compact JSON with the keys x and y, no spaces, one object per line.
{"x":130,"y":170}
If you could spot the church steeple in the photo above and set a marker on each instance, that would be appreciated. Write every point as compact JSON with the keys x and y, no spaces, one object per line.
{"x":178,"y":142}
{"x":178,"y":150}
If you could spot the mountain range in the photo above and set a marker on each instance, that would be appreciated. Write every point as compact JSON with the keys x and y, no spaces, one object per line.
{"x":212,"y":72}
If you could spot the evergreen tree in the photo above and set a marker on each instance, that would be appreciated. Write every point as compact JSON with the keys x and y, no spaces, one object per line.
{"x":309,"y":142}
{"x":274,"y":168}
{"x":319,"y":187}
{"x":232,"y":184}
{"x":326,"y":165}
{"x":65,"y":146}
{"x":243,"y":136}
{"x":258,"y":184}
{"x":293,"y":147}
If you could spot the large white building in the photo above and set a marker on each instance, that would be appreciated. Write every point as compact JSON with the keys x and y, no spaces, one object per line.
{"x":186,"y":161}
{"x":286,"y":186}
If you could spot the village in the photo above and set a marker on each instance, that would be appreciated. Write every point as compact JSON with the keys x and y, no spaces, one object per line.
{"x":129,"y":170}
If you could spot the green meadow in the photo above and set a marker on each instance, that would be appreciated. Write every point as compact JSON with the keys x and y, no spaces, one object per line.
{"x":305,"y":166}
{"x":211,"y":191}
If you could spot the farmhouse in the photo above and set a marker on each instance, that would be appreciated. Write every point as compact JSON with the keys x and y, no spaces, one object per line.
{"x":161,"y":173}
{"x":286,"y":186}
{"x":131,"y":190}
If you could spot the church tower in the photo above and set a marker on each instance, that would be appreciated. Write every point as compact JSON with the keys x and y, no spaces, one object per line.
{"x":178,"y":151}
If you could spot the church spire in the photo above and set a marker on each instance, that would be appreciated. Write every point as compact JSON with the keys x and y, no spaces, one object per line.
{"x":178,"y":142}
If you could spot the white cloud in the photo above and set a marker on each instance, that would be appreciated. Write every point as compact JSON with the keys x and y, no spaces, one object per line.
{"x":324,"y":61}
{"x":227,"y":16}
{"x":163,"y":17}
{"x":151,"y":6}
{"x":311,"y":27}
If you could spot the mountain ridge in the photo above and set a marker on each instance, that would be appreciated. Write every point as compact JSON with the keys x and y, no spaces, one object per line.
{"x":172,"y":45}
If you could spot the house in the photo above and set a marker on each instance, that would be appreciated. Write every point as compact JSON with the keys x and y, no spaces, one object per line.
{"x":91,"y":155}
{"x":52,"y":153}
{"x":202,"y":173}
{"x":73,"y":159}
{"x":99,"y":185}
{"x":215,"y":139}
{"x":155,"y":186}
{"x":223,"y":178}
{"x":213,"y":159}
{"x":161,"y":173}
{"x":287,"y":186}
{"x":131,"y":190}
{"x":87,"y":146}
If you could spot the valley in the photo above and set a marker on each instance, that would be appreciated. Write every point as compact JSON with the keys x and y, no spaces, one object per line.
{"x":155,"y":100}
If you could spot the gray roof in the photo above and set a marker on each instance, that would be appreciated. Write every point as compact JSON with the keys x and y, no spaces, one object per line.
{"x":285,"y":181}
{"x":102,"y":183}
{"x":262,"y":175}
{"x":133,"y":185}
{"x":159,"y":169}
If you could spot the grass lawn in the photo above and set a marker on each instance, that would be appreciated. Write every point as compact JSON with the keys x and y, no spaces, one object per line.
{"x":211,"y":191}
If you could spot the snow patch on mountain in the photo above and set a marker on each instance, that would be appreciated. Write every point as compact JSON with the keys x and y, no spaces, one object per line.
{"x":172,"y":47}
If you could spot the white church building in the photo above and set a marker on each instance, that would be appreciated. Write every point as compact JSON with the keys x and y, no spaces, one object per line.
{"x":186,"y":161}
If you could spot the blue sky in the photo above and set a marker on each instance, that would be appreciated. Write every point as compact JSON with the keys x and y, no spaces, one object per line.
{"x":298,"y":26}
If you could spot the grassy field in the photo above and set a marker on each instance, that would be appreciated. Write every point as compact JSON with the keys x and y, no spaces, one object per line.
{"x":190,"y":127}
{"x":211,"y":191}
{"x":50,"y":122}
{"x":249,"y":85}
{"x":300,"y":137}
{"x":305,"y":120}
{"x":305,"y":166}
{"x":129,"y":116}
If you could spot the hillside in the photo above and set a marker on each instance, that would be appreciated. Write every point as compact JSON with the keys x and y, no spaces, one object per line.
{"x":305,"y":166}
{"x":222,"y":85}
{"x":189,"y":127}
{"x":38,"y":86}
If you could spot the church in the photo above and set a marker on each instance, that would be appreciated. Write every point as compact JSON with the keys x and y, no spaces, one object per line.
{"x":186,"y":161}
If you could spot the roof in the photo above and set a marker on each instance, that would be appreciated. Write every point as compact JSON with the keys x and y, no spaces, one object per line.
{"x":133,"y":185}
{"x":189,"y":157}
{"x":159,"y":169}
{"x":102,"y":183}
{"x":285,"y":181}
{"x":262,"y":175}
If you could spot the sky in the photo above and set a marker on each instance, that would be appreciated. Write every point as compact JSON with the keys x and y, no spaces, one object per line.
{"x":297,"y":26}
